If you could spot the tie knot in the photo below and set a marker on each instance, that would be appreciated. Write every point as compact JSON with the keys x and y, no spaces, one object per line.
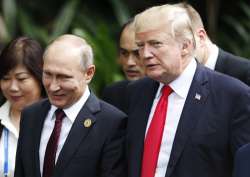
{"x":166,"y":90}
{"x":59,"y":114}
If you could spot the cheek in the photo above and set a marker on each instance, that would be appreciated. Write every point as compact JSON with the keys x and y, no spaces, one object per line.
{"x":74,"y":86}
{"x":46,"y":82}
{"x":123,"y":61}
{"x":4,"y":88}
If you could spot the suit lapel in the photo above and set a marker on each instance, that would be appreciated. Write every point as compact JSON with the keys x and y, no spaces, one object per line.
{"x":77,"y":133}
{"x":191,"y":111}
{"x":37,"y":134}
{"x":138,"y":118}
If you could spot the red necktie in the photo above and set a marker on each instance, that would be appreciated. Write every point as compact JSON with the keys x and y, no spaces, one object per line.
{"x":50,"y":153}
{"x":153,"y":138}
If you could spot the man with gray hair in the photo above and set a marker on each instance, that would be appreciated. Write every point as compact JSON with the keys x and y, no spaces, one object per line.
{"x":182,"y":118}
{"x":72,"y":133}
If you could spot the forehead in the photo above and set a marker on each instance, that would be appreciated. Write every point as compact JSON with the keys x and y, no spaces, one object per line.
{"x":127,"y":40}
{"x":60,"y":58}
{"x":19,"y":68}
{"x":159,"y":34}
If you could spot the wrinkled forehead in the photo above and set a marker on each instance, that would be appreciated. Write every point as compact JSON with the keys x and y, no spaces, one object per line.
{"x":66,"y":45}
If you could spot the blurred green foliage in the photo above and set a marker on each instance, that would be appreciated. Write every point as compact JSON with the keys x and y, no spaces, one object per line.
{"x":234,"y":34}
{"x":76,"y":18}
{"x":45,"y":21}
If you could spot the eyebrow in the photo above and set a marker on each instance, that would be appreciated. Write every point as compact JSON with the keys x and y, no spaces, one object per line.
{"x":22,"y":72}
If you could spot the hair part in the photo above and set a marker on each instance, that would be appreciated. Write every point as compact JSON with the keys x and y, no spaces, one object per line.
{"x":25,"y":51}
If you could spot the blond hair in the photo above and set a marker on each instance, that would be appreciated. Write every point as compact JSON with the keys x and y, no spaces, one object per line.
{"x":171,"y":16}
{"x":194,"y":16}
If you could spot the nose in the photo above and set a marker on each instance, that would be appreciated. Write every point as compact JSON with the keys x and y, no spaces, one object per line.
{"x":131,"y":60}
{"x":53,"y":85}
{"x":145,"y":52}
{"x":14,"y":85}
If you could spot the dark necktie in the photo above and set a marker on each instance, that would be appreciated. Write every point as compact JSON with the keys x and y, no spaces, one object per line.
{"x":50,"y":153}
{"x":154,"y":134}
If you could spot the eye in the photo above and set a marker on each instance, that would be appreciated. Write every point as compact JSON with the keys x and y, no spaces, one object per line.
{"x":46,"y":74}
{"x":5,"y":78}
{"x":22,"y":78}
{"x":156,"y":44}
{"x":124,"y":53}
{"x":64,"y":77}
{"x":140,"y":45}
{"x":136,"y":53}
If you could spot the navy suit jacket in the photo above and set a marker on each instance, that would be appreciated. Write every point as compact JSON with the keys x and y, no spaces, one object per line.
{"x":115,"y":94}
{"x":242,"y":161}
{"x":234,"y":66}
{"x":210,"y":129}
{"x":95,"y":151}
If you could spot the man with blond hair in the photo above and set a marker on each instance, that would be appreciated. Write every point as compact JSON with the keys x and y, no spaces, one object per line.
{"x":72,"y":133}
{"x":182,"y":118}
{"x":211,"y":55}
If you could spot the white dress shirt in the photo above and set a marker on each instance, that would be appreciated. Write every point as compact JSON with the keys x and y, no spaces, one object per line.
{"x":212,"y":58}
{"x":71,"y":114}
{"x":12,"y":143}
{"x":176,"y":100}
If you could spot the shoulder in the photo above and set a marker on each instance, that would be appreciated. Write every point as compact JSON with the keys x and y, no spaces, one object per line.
{"x":220,"y":81}
{"x":119,"y":84}
{"x":233,"y":65}
{"x":110,"y":111}
{"x":36,"y":107}
{"x":244,"y":150}
{"x":102,"y":109}
{"x":141,"y":83}
{"x":231,"y":58}
{"x":114,"y":90}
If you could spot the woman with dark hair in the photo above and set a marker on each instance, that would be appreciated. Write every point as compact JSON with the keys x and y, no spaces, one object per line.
{"x":21,"y":85}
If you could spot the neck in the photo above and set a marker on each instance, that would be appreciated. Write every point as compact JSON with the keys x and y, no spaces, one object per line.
{"x":15,"y":115}
{"x":208,"y":51}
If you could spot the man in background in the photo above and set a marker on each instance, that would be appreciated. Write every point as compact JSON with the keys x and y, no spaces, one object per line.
{"x":131,"y":65}
{"x":211,"y":55}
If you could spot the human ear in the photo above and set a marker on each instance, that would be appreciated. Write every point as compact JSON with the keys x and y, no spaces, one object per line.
{"x":89,"y":73}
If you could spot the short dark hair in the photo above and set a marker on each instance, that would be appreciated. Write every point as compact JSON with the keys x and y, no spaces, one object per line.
{"x":26,"y":51}
{"x":131,"y":20}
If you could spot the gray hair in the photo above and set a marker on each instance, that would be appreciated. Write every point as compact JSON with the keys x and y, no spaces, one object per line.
{"x":75,"y":44}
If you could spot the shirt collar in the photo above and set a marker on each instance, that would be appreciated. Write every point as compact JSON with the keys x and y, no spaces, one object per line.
{"x":182,"y":83}
{"x":73,"y":110}
{"x":212,"y":59}
{"x":5,"y":118}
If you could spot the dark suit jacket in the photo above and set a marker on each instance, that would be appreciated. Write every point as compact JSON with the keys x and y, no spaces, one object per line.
{"x":209,"y":132}
{"x":242,"y":161}
{"x":96,"y":151}
{"x":114,"y":94}
{"x":234,"y":66}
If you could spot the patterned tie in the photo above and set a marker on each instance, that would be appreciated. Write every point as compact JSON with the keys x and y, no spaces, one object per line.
{"x":50,"y":153}
{"x":153,"y":138}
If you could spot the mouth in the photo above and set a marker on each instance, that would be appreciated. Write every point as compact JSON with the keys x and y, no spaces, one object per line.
{"x":56,"y":96}
{"x":151,"y":66}
{"x":15,"y":98}
{"x":132,"y":73}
